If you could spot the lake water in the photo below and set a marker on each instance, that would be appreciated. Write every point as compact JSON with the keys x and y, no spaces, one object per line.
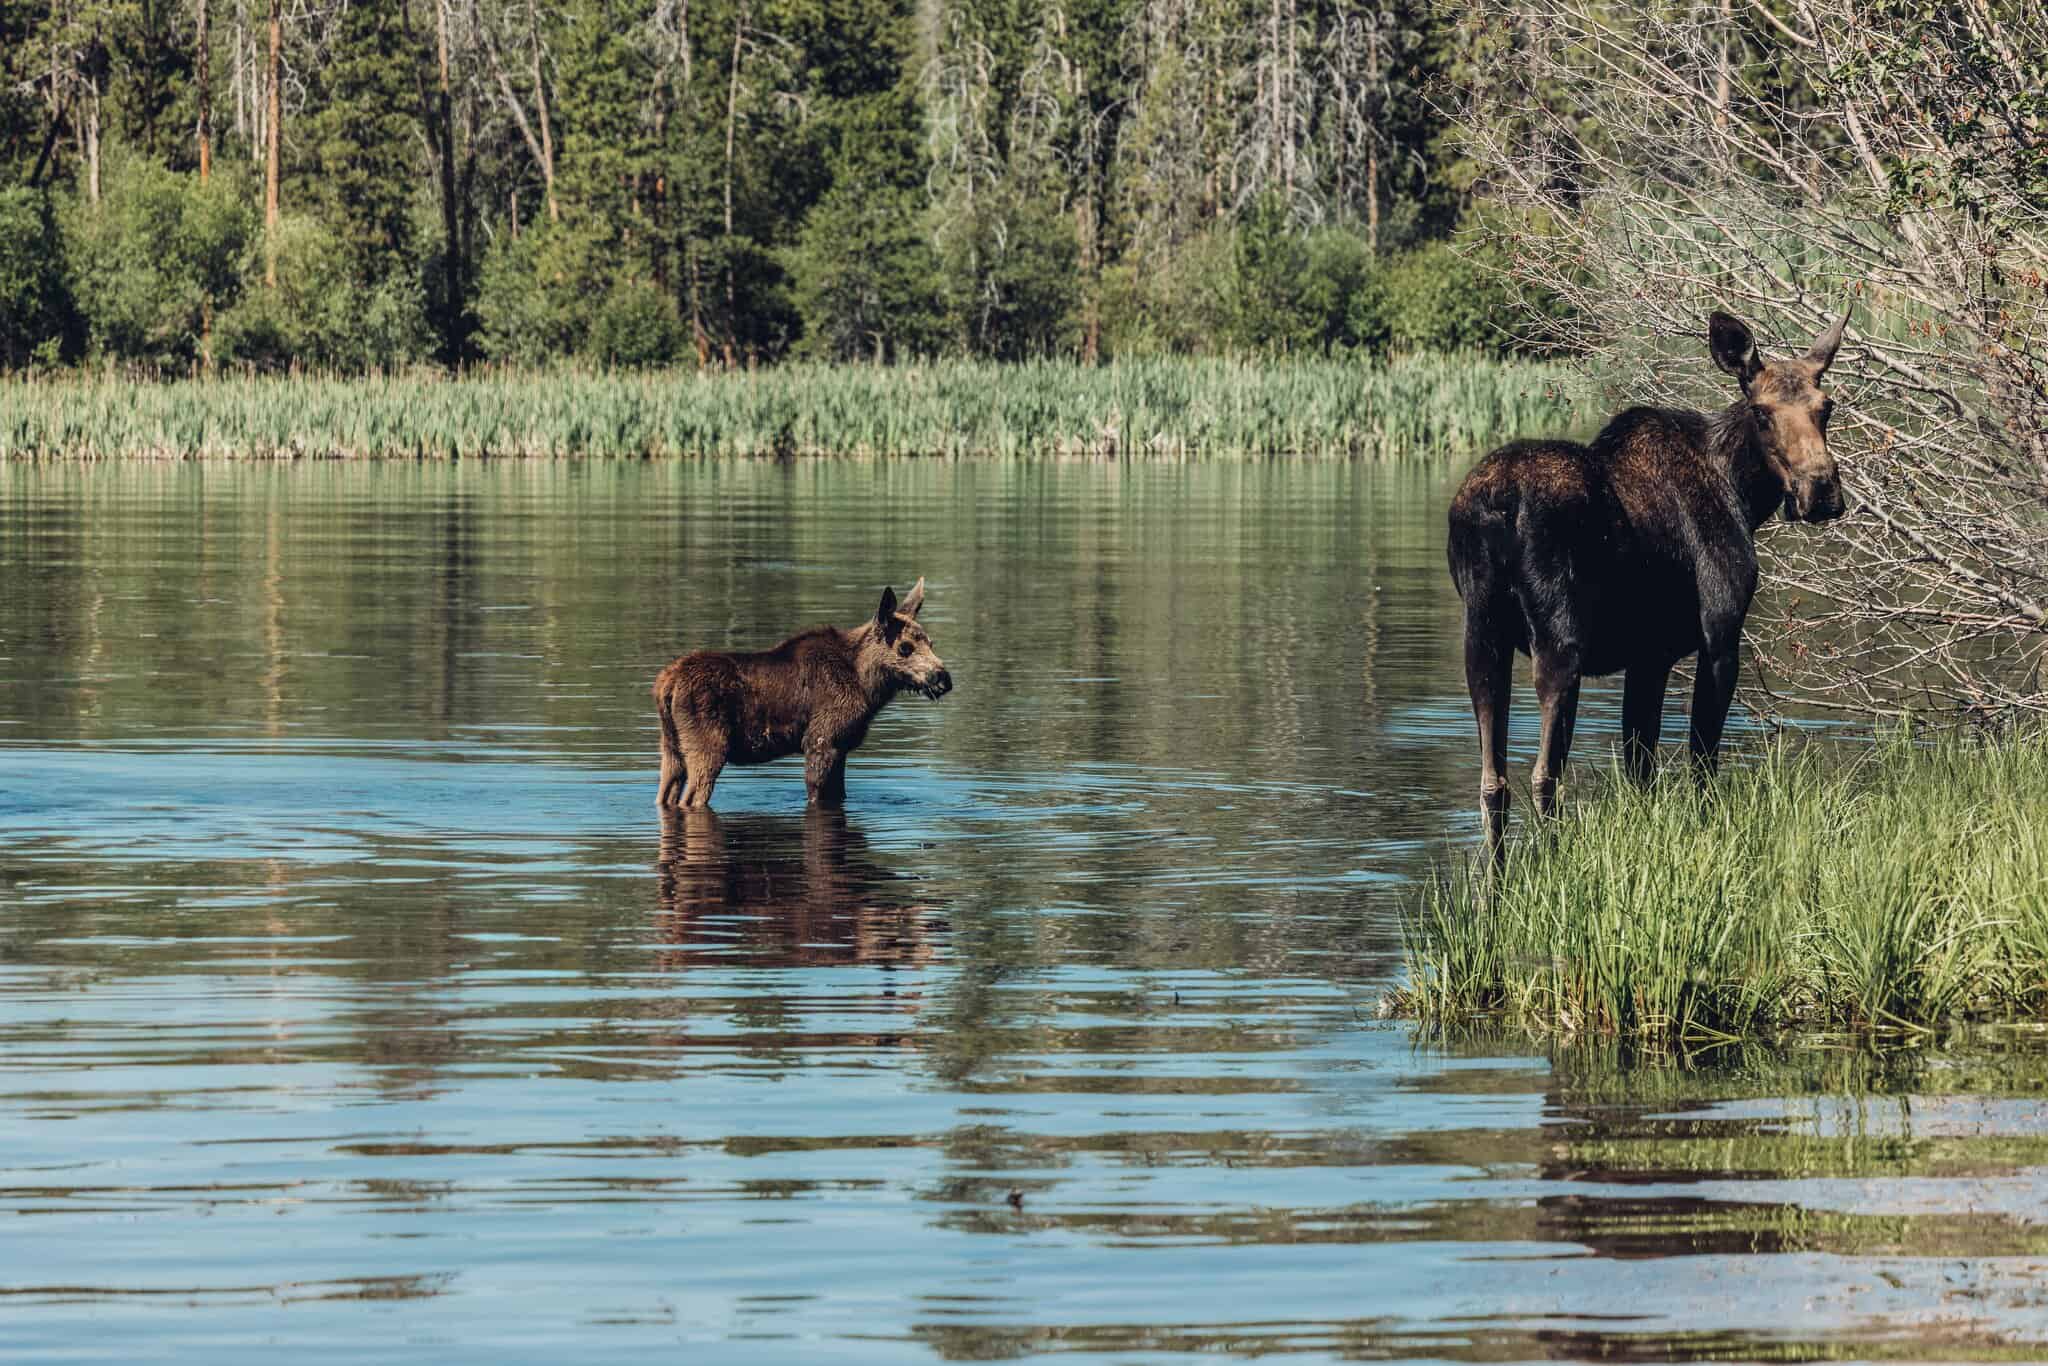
{"x":357,"y":1003}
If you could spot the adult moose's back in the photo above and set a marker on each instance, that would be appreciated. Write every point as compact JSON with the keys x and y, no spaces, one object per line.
{"x":1630,"y":553}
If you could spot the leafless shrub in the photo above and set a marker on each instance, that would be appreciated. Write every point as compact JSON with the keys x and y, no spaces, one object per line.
{"x":1780,"y":158}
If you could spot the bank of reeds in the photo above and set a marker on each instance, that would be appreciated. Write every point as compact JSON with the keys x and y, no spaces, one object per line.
{"x":1167,"y":408}
{"x":1905,"y":890}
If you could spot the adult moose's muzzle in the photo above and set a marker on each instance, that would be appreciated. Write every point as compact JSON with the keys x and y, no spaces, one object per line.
{"x":1815,"y":501}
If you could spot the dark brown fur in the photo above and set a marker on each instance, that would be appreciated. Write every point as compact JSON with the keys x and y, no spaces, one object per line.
{"x":815,"y":694}
{"x":1628,"y":554}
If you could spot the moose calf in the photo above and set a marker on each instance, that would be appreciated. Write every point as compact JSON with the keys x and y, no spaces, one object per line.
{"x":1632,"y":552}
{"x":816,"y":692}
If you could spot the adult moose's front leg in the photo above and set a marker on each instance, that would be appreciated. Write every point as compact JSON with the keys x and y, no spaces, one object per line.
{"x":1557,"y":693}
{"x":1713,"y":689}
{"x":825,"y":775}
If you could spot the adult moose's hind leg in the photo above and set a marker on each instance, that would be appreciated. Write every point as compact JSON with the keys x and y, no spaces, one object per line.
{"x":1713,"y":689}
{"x":1557,"y":693}
{"x":1642,"y":718}
{"x":1489,"y":677}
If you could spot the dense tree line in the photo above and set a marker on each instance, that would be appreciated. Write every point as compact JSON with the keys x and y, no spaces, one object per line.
{"x":354,"y":183}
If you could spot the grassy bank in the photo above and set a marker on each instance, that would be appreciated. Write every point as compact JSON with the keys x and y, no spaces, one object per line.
{"x":1906,"y":890}
{"x":1158,"y":409}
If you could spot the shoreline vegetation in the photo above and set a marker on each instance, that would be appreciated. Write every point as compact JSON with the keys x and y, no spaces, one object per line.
{"x":1143,"y":409}
{"x":1901,"y":893}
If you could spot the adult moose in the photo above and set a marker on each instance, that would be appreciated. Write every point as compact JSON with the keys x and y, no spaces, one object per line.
{"x":1628,"y":554}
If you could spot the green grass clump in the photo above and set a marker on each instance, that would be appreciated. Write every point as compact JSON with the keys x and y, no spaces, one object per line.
{"x":1905,"y":889}
{"x":1159,"y":409}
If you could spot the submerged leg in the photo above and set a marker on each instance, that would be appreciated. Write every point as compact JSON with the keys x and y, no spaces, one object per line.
{"x":1642,"y":718}
{"x":703,"y":765}
{"x":673,"y":774}
{"x":1557,"y":693}
{"x":1489,"y":676}
{"x":670,"y":792}
{"x":825,"y":776}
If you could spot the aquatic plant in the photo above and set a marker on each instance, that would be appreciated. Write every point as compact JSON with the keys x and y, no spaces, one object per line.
{"x":1164,"y":409}
{"x":1903,"y":890}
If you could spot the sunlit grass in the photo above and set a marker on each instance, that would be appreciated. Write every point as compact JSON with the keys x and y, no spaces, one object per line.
{"x":1905,"y":890}
{"x":1161,"y":409}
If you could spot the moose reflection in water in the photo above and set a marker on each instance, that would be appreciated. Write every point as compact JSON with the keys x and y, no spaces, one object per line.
{"x":781,"y":892}
{"x":1628,"y":554}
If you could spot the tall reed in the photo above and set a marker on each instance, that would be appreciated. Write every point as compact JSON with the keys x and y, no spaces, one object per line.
{"x":1162,"y":408}
{"x":1904,"y":890}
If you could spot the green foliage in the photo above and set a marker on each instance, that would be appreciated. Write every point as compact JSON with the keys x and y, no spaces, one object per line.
{"x":1906,"y":890}
{"x":745,"y":180}
{"x":1316,"y":294}
{"x":156,"y":257}
{"x":531,"y":296}
{"x":1010,"y":276}
{"x":364,"y":164}
{"x":865,"y":279}
{"x":37,"y":318}
{"x":1438,"y":299}
{"x":318,"y":314}
{"x":636,"y":327}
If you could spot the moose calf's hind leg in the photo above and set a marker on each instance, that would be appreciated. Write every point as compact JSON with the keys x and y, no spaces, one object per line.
{"x":673,"y":774}
{"x":702,"y":775}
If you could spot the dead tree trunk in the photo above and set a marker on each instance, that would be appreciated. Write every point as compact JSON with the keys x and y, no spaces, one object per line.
{"x":203,"y":59}
{"x":273,"y":142}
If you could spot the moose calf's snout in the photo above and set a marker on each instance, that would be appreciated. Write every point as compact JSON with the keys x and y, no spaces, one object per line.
{"x":942,"y":683}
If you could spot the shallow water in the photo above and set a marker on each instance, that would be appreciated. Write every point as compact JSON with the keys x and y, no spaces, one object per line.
{"x":356,"y":1002}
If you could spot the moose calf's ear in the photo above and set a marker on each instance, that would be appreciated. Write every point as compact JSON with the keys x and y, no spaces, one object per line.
{"x":1830,"y":341}
{"x":887,"y":611}
{"x":1734,"y":349}
{"x":913,"y":602}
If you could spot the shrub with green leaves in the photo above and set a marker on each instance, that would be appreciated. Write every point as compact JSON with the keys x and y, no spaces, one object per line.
{"x":317,"y":315}
{"x":38,"y":321}
{"x":156,"y":258}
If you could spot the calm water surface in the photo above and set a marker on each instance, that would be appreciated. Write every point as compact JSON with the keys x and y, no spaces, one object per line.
{"x":355,"y":1001}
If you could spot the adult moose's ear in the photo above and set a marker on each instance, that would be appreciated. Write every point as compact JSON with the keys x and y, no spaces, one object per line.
{"x":913,"y":601}
{"x":1830,"y":341}
{"x":1734,"y":349}
{"x":885,"y":616}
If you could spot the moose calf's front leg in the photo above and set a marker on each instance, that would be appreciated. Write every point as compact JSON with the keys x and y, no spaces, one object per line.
{"x":825,"y":774}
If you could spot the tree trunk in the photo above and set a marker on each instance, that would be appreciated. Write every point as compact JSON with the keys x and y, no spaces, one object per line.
{"x":1376,"y":107}
{"x":273,"y":141}
{"x":92,"y":143}
{"x":453,"y":267}
{"x":205,"y":76}
{"x":1723,"y":76}
{"x":540,"y":104}
{"x":732,"y":107}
